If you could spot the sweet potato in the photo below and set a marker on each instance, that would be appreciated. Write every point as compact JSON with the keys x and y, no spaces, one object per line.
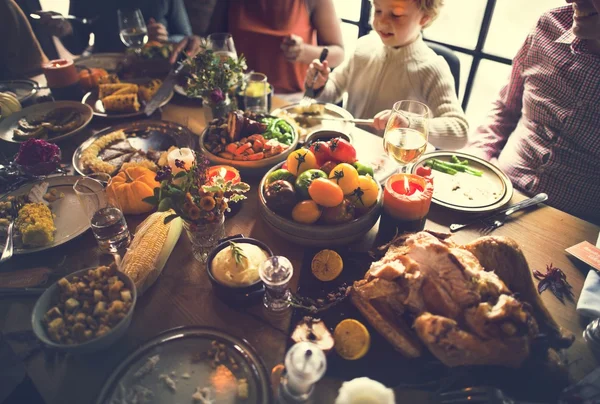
{"x":256,"y":156}
{"x":258,"y":145}
{"x":243,"y":148}
{"x":231,"y":148}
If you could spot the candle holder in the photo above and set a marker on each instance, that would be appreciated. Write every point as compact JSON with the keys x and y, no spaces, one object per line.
{"x":406,"y":202}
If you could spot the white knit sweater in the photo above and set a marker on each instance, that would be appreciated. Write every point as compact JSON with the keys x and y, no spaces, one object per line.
{"x":377,"y":76}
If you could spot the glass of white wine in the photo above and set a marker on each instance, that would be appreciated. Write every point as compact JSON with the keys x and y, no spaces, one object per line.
{"x":405,"y":138}
{"x":132,"y":28}
{"x":222,"y":45}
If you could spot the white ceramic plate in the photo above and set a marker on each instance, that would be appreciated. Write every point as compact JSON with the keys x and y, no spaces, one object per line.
{"x":70,"y":220}
{"x":92,"y":100}
{"x":465,"y":192}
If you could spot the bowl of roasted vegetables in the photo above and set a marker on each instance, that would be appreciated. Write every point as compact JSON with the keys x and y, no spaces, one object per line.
{"x":249,"y":142}
{"x":85,"y":311}
{"x":321,"y":195}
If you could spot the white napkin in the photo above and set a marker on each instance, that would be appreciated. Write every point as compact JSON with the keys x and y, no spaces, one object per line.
{"x":588,"y":304}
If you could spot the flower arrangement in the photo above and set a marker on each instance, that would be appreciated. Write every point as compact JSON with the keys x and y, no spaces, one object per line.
{"x":192,"y":195}
{"x":211,"y":77}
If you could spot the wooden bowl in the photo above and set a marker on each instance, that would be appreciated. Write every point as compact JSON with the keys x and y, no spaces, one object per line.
{"x":250,"y":168}
{"x":326,"y":135}
{"x":318,"y":235}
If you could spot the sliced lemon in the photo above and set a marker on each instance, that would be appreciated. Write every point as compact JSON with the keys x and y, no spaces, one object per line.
{"x":352,"y":339}
{"x":327,"y":265}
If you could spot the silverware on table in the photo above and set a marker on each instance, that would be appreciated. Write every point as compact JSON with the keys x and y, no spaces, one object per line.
{"x":497,"y":219}
{"x":309,"y":92}
{"x":481,"y":394}
{"x":166,"y":87}
{"x":7,"y":253}
{"x":84,"y":21}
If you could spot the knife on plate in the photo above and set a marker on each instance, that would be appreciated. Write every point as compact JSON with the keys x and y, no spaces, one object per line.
{"x":539,"y":198}
{"x":167,"y":86}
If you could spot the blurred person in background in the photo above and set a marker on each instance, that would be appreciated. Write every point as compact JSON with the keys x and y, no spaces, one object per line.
{"x":166,"y":20}
{"x":544,"y":129}
{"x":20,"y":52}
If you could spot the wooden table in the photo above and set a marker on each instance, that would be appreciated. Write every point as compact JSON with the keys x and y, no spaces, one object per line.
{"x":183,"y":295}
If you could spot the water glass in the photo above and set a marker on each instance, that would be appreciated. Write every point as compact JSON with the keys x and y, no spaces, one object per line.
{"x":276,"y":273}
{"x":406,"y":133}
{"x":106,"y":218}
{"x":256,"y":93}
{"x":132,"y":28}
{"x":222,"y":45}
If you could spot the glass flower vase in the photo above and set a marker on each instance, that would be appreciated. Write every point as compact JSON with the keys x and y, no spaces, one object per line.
{"x":204,"y":237}
{"x":218,"y":110}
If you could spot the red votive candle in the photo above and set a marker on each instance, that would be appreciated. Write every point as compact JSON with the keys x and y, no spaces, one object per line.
{"x":228,"y":173}
{"x":63,"y":79}
{"x":406,"y":200}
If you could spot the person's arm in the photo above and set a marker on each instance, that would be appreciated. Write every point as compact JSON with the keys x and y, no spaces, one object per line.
{"x":178,"y":22}
{"x":448,"y":129}
{"x":488,"y":139}
{"x":337,"y":83}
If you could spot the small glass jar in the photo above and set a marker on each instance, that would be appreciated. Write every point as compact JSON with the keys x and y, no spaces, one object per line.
{"x":204,"y":237}
{"x":276,"y":273}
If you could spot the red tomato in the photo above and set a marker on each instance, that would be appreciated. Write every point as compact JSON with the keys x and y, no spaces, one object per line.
{"x":284,"y":166}
{"x":321,"y":151}
{"x":424,"y":171}
{"x":342,"y":150}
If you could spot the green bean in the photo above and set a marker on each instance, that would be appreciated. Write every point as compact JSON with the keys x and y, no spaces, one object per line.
{"x":464,"y":168}
{"x":439,"y":165}
{"x":456,"y":160}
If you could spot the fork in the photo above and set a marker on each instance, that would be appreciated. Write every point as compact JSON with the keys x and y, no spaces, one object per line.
{"x":481,"y":394}
{"x":492,"y":223}
{"x":309,"y":93}
{"x":15,"y":207}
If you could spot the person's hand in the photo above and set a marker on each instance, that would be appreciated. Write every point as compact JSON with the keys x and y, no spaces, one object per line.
{"x":191,"y":46}
{"x":292,"y":47}
{"x":157,"y":31}
{"x":321,"y":71}
{"x":380,"y":120}
{"x":54,"y":26}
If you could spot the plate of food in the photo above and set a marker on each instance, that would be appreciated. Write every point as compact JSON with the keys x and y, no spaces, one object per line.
{"x":464,"y":182}
{"x":116,"y":99}
{"x":142,"y":143}
{"x":23,"y":89}
{"x":51,"y":121}
{"x":51,"y":215}
{"x":190,"y":364}
{"x":307,"y":119}
{"x":251,"y":143}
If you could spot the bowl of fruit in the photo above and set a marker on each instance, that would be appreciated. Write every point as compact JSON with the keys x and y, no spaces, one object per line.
{"x":321,"y":195}
{"x":251,"y":143}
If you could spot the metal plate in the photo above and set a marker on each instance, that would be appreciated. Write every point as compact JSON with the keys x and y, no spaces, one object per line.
{"x":331,"y":110}
{"x":176,"y":349}
{"x":8,"y":125}
{"x":108,"y":61}
{"x":158,"y":135}
{"x":23,"y":89}
{"x":69,"y":218}
{"x":92,"y":100}
{"x":465,"y":192}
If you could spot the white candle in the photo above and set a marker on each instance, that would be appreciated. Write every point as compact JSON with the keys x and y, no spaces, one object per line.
{"x":184,"y":154}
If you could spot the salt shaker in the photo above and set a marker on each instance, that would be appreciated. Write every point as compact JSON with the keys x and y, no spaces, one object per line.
{"x":305,"y":364}
{"x":591,"y":335}
{"x":276,"y":273}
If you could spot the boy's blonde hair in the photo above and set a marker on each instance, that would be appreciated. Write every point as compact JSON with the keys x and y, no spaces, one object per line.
{"x":429,"y":7}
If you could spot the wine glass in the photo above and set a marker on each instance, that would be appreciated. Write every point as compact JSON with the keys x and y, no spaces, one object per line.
{"x":405,"y":138}
{"x":222,"y":45}
{"x":132,"y":28}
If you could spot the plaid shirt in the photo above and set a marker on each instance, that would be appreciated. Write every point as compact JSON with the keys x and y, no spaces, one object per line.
{"x":545,"y":127}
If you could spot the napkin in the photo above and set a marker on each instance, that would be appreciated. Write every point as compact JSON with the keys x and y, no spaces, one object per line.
{"x":588,"y":304}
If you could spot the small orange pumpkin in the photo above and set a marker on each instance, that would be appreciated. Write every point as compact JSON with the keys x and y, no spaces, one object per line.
{"x":131,"y":186}
{"x":88,"y":78}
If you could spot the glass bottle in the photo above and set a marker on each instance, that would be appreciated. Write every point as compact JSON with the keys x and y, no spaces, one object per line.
{"x":276,"y":273}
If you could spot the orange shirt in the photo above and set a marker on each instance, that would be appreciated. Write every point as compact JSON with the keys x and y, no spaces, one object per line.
{"x":259,"y":27}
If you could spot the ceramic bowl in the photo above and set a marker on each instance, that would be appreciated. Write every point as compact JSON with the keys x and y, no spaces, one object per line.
{"x":49,"y":298}
{"x":318,"y":235}
{"x":326,"y":135}
{"x":236,"y":295}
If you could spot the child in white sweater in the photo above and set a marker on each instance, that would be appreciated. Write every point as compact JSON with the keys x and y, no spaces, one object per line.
{"x":393,"y":63}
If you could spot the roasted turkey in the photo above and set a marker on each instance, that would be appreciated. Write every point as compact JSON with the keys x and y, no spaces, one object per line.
{"x":472,"y":304}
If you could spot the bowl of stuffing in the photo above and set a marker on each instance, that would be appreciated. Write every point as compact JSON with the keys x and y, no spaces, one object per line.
{"x":85,"y":311}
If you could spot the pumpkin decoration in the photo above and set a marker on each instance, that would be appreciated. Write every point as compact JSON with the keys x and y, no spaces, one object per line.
{"x":130,"y":186}
{"x":88,"y":78}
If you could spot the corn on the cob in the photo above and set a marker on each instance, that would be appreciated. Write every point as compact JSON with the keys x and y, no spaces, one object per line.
{"x":148,"y":90}
{"x":110,"y":79}
{"x":128,"y":89}
{"x":104,"y":90}
{"x":121,"y":103}
{"x":150,"y":249}
{"x":36,"y":224}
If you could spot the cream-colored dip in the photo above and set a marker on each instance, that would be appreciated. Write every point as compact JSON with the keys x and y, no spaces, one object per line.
{"x":229,"y":273}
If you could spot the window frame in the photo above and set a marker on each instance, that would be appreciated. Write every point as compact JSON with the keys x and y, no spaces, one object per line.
{"x":364,"y":27}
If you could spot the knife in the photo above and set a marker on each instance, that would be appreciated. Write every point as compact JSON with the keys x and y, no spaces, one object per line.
{"x":539,"y":198}
{"x":167,"y":86}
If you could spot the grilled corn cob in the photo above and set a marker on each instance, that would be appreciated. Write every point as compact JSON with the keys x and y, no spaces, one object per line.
{"x":121,"y":103}
{"x":129,"y":89}
{"x":104,"y":90}
{"x":110,"y":79}
{"x":148,"y":90}
{"x":148,"y":253}
{"x":36,"y":225}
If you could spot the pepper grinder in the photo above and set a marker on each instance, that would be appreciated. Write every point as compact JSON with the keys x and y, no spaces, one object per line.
{"x":305,"y":364}
{"x":591,"y":335}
